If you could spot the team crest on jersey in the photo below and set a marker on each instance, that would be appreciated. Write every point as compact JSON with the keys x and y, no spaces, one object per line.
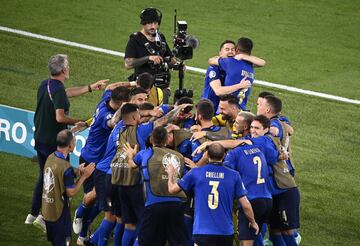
{"x":49,"y":180}
{"x":212,"y":74}
{"x":171,"y":159}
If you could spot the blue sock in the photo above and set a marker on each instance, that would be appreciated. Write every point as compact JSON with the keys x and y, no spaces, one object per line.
{"x":94,"y":238}
{"x":136,"y":242}
{"x":129,"y":237}
{"x":81,"y":210}
{"x":263,"y":230}
{"x":189,"y":228}
{"x":259,"y":240}
{"x":290,"y":240}
{"x":104,"y":233}
{"x":277,"y":240}
{"x":88,"y":219}
{"x":118,"y":233}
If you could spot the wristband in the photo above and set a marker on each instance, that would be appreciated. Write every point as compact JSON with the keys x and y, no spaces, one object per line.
{"x":133,"y":83}
{"x":89,"y":88}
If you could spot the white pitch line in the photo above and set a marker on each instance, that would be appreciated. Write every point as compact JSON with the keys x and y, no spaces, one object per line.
{"x":194,"y":69}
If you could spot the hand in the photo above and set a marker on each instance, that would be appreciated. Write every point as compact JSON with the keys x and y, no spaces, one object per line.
{"x":99,"y":85}
{"x":201,"y":148}
{"x":195,"y":128}
{"x":255,"y":226}
{"x":81,"y":168}
{"x":172,"y":127}
{"x":156,"y":59}
{"x":239,"y":57}
{"x":245,"y":83}
{"x":88,"y":170}
{"x":156,"y":112}
{"x":78,"y":127}
{"x":189,"y":163}
{"x":130,"y":151}
{"x":197,"y":135}
{"x":170,"y":170}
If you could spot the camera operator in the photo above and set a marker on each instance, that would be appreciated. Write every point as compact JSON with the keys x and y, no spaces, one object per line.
{"x":147,"y":51}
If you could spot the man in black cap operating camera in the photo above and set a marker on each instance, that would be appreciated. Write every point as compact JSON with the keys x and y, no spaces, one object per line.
{"x":147,"y":51}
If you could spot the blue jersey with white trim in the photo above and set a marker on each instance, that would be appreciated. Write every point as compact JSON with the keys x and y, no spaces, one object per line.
{"x":251,"y":164}
{"x":215,"y":187}
{"x":99,"y":132}
{"x":212,"y":73}
{"x":235,"y":71}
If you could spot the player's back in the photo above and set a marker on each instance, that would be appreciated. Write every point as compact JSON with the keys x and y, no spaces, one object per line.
{"x":251,"y":164}
{"x":215,"y":191}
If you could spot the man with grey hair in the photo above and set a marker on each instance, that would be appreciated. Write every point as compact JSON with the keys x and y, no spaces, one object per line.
{"x":51,"y":116}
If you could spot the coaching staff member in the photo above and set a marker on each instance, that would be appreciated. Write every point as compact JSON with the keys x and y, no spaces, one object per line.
{"x":146,"y":50}
{"x":52,"y":116}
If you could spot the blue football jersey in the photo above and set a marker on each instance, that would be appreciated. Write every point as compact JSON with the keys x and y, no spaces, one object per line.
{"x":251,"y":164}
{"x":99,"y":132}
{"x":212,"y":73}
{"x":104,"y":163}
{"x":235,"y":71}
{"x":215,"y":187}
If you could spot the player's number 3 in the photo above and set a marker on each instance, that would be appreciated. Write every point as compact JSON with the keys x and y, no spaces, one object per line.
{"x":213,"y":198}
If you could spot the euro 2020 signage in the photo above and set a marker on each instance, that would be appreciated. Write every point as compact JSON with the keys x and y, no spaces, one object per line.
{"x":17,"y":134}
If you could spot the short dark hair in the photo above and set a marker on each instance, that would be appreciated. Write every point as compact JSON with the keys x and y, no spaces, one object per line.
{"x":185,"y":100}
{"x":263,"y":94}
{"x":245,"y":45}
{"x":205,"y":108}
{"x":274,"y":103}
{"x":146,"y":106}
{"x":120,"y":94}
{"x":231,"y":99}
{"x":137,"y":90}
{"x":64,"y":138}
{"x":226,"y":42}
{"x":145,"y":80}
{"x":159,"y":136}
{"x":264,"y":121}
{"x":128,"y":108}
{"x":216,"y":152}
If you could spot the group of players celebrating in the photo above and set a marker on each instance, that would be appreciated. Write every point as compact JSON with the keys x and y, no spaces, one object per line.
{"x":179,"y":174}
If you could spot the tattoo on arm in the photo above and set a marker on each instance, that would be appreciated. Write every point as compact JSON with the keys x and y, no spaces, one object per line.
{"x":167,"y":118}
{"x":136,"y":62}
{"x":214,"y":137}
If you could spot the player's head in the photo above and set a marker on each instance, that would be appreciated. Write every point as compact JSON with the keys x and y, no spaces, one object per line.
{"x":150,"y":18}
{"x":159,"y":136}
{"x":259,"y":126}
{"x":262,"y":96}
{"x":119,"y":95}
{"x":65,"y":140}
{"x":229,"y":107}
{"x":270,"y":106}
{"x":244,"y":45}
{"x":243,"y":122}
{"x":59,"y":64}
{"x":130,"y":114}
{"x":138,"y":96}
{"x":227,"y":49}
{"x":145,"y":81}
{"x":204,"y":111}
{"x":216,"y":152}
{"x":186,"y":113}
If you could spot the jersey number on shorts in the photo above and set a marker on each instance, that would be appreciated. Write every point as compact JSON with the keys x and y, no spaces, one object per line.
{"x":213,"y":198}
{"x":257,"y":161}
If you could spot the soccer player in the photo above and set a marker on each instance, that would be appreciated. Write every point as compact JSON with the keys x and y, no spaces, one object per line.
{"x":163,"y":219}
{"x":285,"y":216}
{"x":94,"y":149}
{"x":251,"y":164}
{"x":239,"y":67}
{"x":58,"y":186}
{"x":215,"y":187}
{"x":214,"y":77}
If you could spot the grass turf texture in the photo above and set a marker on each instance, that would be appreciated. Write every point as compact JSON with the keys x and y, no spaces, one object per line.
{"x":326,"y":139}
{"x":308,"y":44}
